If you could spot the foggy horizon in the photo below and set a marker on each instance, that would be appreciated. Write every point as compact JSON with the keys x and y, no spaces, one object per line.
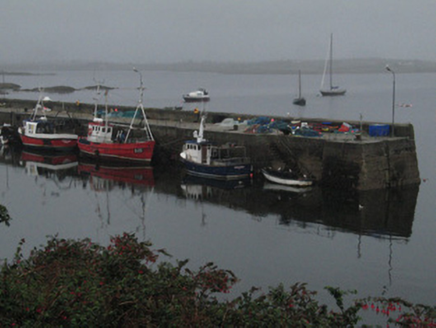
{"x":146,"y":32}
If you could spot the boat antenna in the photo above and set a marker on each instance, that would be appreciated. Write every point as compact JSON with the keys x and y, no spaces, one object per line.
{"x":141,"y":87}
{"x":106,"y":111}
{"x":97,"y":98}
{"x":140,"y":106}
{"x":200,"y":133}
{"x":40,"y":105}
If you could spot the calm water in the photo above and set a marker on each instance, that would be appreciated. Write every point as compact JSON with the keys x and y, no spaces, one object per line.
{"x":265,"y":236}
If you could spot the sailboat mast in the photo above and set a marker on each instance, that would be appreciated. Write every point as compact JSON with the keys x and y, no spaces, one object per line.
{"x":299,"y":84}
{"x":331,"y":61}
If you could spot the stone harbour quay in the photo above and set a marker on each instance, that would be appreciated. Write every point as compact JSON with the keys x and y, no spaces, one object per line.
{"x":363,"y":156}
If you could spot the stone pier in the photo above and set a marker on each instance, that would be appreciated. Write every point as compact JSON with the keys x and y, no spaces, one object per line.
{"x":334,"y":160}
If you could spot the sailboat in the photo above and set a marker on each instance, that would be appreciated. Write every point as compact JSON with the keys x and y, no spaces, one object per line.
{"x":300,"y":101}
{"x":331,"y":90}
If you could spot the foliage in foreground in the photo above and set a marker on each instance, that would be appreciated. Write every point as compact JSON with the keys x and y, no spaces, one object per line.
{"x":4,"y":215}
{"x":69,"y":283}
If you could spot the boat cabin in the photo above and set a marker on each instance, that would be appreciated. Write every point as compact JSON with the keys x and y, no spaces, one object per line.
{"x":98,"y":131}
{"x":41,"y":126}
{"x":209,"y":154}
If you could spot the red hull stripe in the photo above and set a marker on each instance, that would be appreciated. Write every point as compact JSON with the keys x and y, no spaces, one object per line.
{"x":48,"y":143}
{"x":141,"y":151}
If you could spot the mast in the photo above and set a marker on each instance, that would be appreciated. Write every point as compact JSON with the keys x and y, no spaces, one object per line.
{"x":106,"y":123}
{"x":331,"y":61}
{"x":140,"y":106}
{"x":299,"y":84}
{"x":96,"y":98}
{"x":326,"y":63}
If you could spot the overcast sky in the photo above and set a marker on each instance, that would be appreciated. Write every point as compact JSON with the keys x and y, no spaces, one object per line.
{"x":143,"y":31}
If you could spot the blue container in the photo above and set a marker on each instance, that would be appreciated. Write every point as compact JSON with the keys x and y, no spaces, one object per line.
{"x":379,"y":130}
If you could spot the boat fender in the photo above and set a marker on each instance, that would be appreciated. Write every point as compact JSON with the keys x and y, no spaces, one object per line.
{"x":89,"y":131}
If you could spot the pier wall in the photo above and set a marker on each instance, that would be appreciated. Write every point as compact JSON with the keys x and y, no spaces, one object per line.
{"x":346,"y":163}
{"x":357,"y":165}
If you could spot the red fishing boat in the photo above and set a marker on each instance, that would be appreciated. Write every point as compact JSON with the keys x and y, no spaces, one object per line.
{"x":117,"y":142}
{"x":41,"y":133}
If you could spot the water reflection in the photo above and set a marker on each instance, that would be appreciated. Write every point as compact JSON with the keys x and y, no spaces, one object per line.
{"x":377,"y":213}
{"x":113,"y":185}
{"x":103,"y":176}
{"x":39,"y":163}
{"x":201,"y":189}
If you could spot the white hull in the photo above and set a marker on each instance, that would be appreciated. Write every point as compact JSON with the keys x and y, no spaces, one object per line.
{"x":279,"y":187}
{"x":287,"y":182}
{"x":197,"y":96}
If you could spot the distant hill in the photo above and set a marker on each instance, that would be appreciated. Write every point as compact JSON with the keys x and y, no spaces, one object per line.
{"x":344,"y":66}
{"x":341,"y":66}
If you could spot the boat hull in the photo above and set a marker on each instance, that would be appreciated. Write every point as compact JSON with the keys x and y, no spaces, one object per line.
{"x":333,"y":92}
{"x":226,"y":172}
{"x":286,"y":181}
{"x":50,"y":142}
{"x":135,"y":152}
{"x":195,"y":99}
{"x":299,"y":101}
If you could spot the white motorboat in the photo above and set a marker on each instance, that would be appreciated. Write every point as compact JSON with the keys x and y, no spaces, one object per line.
{"x":197,"y":96}
{"x":287,"y":178}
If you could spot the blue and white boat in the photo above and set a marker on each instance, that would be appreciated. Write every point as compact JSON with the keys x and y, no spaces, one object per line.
{"x":203,"y":158}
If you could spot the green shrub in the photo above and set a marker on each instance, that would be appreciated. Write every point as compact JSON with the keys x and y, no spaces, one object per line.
{"x":69,"y":283}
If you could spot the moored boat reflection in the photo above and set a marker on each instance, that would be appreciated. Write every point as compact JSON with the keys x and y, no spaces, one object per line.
{"x":377,"y":213}
{"x":197,"y":188}
{"x":103,"y":176}
{"x":39,"y":163}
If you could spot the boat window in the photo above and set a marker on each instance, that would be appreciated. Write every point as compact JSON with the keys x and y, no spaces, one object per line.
{"x":31,"y":128}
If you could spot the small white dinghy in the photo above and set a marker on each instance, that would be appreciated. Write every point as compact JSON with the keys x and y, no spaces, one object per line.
{"x":287,"y":178}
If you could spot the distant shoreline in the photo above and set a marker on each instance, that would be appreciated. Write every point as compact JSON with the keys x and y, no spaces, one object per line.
{"x":341,"y":66}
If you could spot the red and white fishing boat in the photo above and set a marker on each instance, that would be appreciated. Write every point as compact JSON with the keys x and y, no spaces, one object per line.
{"x":116,"y":142}
{"x":41,"y":133}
